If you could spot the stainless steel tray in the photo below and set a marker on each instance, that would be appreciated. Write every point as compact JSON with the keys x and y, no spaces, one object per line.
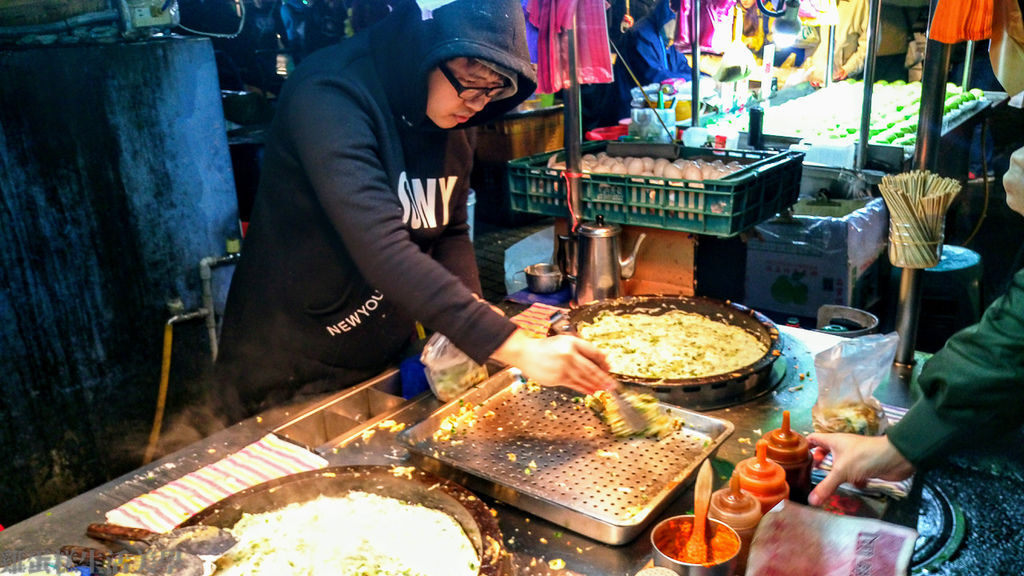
{"x":541,"y":450}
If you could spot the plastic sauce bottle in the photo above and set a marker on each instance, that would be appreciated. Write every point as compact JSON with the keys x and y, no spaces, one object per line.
{"x":791,"y":450}
{"x":741,"y":512}
{"x":764,"y":479}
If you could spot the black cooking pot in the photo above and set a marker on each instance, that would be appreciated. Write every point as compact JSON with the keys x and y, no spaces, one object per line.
{"x":408,"y":484}
{"x":700,"y":393}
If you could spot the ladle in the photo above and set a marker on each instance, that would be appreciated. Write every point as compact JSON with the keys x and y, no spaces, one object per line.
{"x":697,"y":546}
{"x":198,"y":540}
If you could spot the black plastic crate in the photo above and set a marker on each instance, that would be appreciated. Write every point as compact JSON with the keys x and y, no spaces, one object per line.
{"x":768,"y":183}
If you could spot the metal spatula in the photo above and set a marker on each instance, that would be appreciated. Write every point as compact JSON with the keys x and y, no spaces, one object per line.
{"x":634,"y":421}
{"x":631,"y":417}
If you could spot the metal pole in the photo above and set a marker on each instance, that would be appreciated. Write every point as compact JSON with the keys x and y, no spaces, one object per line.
{"x":929,"y":132}
{"x":573,"y":135}
{"x":695,"y":67}
{"x":874,"y":27}
{"x":830,"y":59}
{"x":968,"y":65}
{"x":933,"y":94}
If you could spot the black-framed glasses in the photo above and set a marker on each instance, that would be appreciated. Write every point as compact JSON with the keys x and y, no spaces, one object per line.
{"x":470,"y":93}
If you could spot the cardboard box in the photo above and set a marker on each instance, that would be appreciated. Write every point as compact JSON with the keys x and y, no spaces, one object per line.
{"x":797,"y":264}
{"x":520,"y":134}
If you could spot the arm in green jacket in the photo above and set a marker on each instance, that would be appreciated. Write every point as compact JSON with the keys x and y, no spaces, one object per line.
{"x":973,"y":387}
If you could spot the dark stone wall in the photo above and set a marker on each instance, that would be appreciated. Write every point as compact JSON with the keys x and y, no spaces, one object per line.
{"x":115,"y":180}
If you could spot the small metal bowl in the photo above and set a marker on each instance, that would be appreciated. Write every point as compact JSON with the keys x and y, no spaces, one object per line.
{"x":665,"y":533}
{"x":543,"y":278}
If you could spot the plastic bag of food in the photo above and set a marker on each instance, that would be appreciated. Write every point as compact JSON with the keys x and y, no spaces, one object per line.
{"x":449,"y":371}
{"x":848,"y":374}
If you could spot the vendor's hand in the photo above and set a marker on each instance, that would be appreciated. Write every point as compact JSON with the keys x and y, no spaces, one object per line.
{"x":557,"y":361}
{"x":855,"y":459}
{"x":1013,"y":182}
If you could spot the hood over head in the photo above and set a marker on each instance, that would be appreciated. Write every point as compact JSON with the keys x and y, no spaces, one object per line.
{"x":410,"y":42}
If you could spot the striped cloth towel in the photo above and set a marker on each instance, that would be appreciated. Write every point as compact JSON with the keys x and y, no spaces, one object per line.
{"x":173,"y":503}
{"x":875,"y":486}
{"x":536,"y":320}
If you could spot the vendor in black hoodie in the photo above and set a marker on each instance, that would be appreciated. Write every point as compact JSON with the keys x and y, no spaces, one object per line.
{"x":359,"y":225}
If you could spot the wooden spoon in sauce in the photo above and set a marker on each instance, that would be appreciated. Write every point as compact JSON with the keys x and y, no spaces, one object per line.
{"x":697,"y":546}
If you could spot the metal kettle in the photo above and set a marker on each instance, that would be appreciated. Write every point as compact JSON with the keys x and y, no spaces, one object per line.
{"x":600,"y":270}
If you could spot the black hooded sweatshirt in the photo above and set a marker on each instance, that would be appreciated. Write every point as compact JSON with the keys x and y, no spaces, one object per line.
{"x":359,"y":225}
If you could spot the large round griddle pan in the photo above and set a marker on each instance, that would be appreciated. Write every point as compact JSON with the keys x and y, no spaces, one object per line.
{"x":408,"y":484}
{"x":705,"y":392}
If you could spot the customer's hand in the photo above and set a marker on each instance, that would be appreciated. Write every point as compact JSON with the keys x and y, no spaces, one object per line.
{"x":799,"y":76}
{"x":1013,"y":182}
{"x":557,"y":361}
{"x":855,"y":459}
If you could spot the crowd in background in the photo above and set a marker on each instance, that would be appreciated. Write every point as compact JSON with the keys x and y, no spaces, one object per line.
{"x":292,"y":29}
{"x":275,"y":35}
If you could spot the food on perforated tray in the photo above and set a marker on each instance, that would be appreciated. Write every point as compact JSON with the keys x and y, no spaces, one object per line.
{"x":358,"y":534}
{"x":673,"y":345}
{"x":660,"y":422}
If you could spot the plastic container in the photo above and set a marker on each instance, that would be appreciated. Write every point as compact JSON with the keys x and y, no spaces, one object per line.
{"x":791,"y":450}
{"x":741,"y":512}
{"x":448,"y":370}
{"x":762,"y":478}
{"x":653,"y":125}
{"x":768,"y":183}
{"x":912,"y":247}
{"x":607,"y":133}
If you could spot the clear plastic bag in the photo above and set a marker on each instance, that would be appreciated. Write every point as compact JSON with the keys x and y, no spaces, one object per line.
{"x":449,"y":371}
{"x":848,"y":374}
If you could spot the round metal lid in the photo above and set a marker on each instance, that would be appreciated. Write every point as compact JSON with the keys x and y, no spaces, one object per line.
{"x":599,"y":229}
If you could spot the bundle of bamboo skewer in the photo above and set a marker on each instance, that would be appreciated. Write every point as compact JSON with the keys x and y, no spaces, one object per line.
{"x":917,"y":203}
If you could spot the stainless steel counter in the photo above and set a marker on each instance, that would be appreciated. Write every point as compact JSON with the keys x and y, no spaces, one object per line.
{"x":534,"y":542}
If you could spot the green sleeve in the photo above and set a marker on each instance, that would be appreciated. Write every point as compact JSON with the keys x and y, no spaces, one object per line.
{"x":972,"y":387}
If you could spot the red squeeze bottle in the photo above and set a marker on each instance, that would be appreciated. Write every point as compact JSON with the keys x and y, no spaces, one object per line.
{"x":764,"y":479}
{"x":741,"y":512}
{"x":791,"y":450}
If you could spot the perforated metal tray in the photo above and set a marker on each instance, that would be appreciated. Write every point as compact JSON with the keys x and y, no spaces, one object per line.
{"x":541,"y":450}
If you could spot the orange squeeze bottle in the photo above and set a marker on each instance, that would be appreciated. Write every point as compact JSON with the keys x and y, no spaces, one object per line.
{"x":762,"y":478}
{"x":740,"y":511}
{"x":791,"y":450}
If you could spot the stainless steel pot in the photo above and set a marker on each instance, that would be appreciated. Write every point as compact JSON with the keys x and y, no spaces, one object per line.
{"x":664,"y":535}
{"x":543,"y":278}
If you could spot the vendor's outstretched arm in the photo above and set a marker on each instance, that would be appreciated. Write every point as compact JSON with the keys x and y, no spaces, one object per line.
{"x":557,"y":361}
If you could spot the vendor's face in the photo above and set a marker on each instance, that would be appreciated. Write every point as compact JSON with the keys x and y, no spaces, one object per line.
{"x":458,"y":89}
